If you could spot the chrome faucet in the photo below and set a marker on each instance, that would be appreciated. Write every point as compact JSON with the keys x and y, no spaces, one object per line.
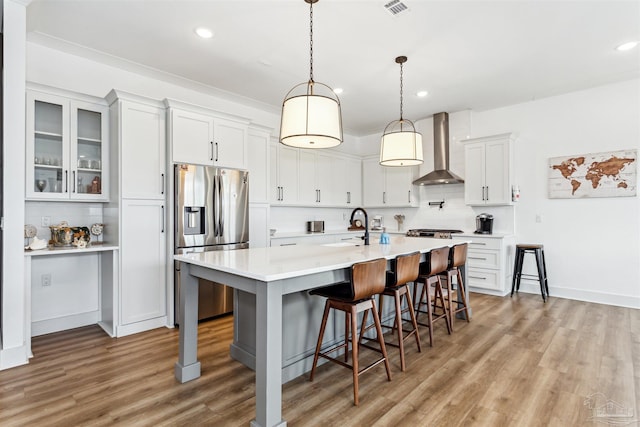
{"x":366,"y":224}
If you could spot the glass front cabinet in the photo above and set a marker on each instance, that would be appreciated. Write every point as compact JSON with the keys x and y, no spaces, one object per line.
{"x":67,"y":147}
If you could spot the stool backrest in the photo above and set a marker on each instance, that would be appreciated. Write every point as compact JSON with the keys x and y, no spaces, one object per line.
{"x":407,"y":269}
{"x":458,"y":255}
{"x":368,"y":278}
{"x":437,"y":261}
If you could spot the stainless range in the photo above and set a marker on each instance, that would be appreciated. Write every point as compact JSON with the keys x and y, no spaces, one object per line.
{"x":438,"y":233}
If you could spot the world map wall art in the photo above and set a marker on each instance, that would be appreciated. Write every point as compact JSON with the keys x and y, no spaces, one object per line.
{"x":611,"y":174}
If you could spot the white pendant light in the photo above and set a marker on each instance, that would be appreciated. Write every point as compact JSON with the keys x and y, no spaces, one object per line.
{"x":311,"y":116}
{"x":401,"y":145}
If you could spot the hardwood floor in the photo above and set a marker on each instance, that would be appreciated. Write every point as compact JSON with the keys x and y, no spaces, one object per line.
{"x":519,"y":362}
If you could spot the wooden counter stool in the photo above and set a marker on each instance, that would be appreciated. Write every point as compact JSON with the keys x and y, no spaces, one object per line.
{"x":405,"y":270}
{"x":455,"y":294}
{"x":432,"y":293}
{"x":352,"y":297}
{"x":541,"y":265}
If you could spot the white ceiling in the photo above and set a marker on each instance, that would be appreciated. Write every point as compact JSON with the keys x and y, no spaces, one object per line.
{"x":468,"y":54}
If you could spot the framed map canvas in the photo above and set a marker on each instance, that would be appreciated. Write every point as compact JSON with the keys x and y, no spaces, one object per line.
{"x":611,"y":174}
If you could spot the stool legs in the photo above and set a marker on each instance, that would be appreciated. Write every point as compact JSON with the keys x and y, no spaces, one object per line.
{"x":541,"y":267}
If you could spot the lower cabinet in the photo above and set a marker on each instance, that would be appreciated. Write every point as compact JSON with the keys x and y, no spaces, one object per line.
{"x":143,"y":288}
{"x":489,"y":263}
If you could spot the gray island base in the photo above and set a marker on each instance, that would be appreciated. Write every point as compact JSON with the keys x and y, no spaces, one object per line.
{"x":271,"y":285}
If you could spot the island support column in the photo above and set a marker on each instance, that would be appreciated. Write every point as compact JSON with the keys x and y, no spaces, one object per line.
{"x":187,"y":367}
{"x":269,"y":355}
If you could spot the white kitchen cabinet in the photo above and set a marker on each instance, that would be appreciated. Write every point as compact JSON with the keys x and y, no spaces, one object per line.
{"x":284,"y":175}
{"x":67,"y":146}
{"x":488,"y":170}
{"x":314,"y":177}
{"x":137,"y":217}
{"x":204,"y":137}
{"x":143,"y":295}
{"x":142,"y":146}
{"x":388,"y":186}
{"x":489,"y":263}
{"x":259,"y":168}
{"x":346,"y":182}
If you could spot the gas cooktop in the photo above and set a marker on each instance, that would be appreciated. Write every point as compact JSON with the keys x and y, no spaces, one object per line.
{"x":438,"y":233}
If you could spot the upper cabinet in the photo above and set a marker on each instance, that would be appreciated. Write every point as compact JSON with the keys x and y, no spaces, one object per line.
{"x":67,"y":146}
{"x":204,"y":137}
{"x":284,"y":175}
{"x":488,"y":170}
{"x":388,"y":186}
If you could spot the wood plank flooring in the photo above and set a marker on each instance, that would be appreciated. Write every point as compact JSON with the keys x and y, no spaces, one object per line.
{"x":518,"y":363}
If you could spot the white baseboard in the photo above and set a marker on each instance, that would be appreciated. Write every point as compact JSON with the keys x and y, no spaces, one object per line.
{"x":145,"y":325}
{"x":58,"y":324}
{"x":628,"y":301}
{"x":12,"y":357}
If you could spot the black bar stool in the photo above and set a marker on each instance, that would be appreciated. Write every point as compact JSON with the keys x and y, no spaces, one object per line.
{"x":538,"y":251}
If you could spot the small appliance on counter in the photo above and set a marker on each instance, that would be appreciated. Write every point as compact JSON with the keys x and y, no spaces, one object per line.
{"x":315,"y":226}
{"x":484,"y":224}
{"x":376,"y":223}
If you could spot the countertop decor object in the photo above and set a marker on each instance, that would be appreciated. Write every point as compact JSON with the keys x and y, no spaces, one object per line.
{"x":400,"y":219}
{"x":65,"y":235}
{"x":96,"y":229}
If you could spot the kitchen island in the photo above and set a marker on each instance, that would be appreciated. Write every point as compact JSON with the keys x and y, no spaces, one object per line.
{"x":271,"y":274}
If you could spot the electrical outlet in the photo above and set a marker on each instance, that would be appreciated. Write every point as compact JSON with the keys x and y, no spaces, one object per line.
{"x":344,"y":215}
{"x":538,"y":218}
{"x":45,"y":221}
{"x":46,"y":280}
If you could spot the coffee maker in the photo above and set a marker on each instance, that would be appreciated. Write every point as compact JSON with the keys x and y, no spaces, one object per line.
{"x":484,"y":224}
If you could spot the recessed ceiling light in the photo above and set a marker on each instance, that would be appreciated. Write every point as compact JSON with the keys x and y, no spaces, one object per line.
{"x":422,"y":93}
{"x":337,"y":90}
{"x":203,"y":32}
{"x":627,"y":46}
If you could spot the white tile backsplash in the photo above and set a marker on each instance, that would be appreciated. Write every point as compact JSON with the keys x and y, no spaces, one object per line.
{"x":76,"y":214}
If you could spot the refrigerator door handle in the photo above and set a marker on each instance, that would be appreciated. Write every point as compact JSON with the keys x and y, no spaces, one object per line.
{"x":215,"y":206}
{"x":221,"y":211}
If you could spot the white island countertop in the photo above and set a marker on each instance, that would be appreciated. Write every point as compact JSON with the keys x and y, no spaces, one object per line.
{"x":284,"y":262}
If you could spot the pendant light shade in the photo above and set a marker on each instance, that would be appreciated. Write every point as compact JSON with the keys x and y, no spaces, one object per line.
{"x":311,"y":114}
{"x":401,"y":145}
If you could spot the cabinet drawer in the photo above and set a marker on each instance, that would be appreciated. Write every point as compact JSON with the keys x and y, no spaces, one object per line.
{"x":483,"y":258}
{"x":485,"y":279}
{"x":481,"y":242}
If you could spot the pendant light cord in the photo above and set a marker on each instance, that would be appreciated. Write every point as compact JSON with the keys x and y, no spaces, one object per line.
{"x":311,"y":41}
{"x":401,"y":91}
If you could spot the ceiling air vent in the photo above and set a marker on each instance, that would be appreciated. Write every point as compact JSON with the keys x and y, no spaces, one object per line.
{"x":395,"y":7}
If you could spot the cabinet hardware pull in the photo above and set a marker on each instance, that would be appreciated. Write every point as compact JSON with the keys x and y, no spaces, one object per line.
{"x":317,"y":196}
{"x":288,"y":244}
{"x":74,"y":181}
{"x":162,"y":176}
{"x":483,"y":193}
{"x":487,"y":193}
{"x":479,"y":243}
{"x":384,"y":197}
{"x":66,"y":181}
{"x":216,"y":152}
{"x":282,"y":193}
{"x":348,"y":197}
{"x":162,"y":231}
{"x":476,"y":277}
{"x":409,"y":199}
{"x":473,"y":257}
{"x":212,"y":150}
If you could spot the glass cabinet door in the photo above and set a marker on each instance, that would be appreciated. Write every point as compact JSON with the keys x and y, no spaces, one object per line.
{"x":88,"y":151}
{"x":47,"y":148}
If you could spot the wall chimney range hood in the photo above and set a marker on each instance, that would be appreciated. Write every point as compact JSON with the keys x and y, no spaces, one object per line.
{"x":441,"y":173}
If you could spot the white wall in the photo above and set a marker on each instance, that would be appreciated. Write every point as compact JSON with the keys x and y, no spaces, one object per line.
{"x":14,"y":349}
{"x":591,"y":245}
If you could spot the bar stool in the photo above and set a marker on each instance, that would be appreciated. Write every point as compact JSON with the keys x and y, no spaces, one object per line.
{"x":432,"y":292}
{"x":538,"y":250}
{"x":456,"y":296}
{"x":352,"y":297}
{"x":405,"y":270}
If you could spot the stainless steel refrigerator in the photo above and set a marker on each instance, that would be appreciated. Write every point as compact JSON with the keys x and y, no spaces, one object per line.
{"x":211,"y":214}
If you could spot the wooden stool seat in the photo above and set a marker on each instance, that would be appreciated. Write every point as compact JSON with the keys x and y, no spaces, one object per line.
{"x":541,"y":266}
{"x":432,"y":292}
{"x":352,"y":297}
{"x":456,"y":297}
{"x":405,"y":270}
